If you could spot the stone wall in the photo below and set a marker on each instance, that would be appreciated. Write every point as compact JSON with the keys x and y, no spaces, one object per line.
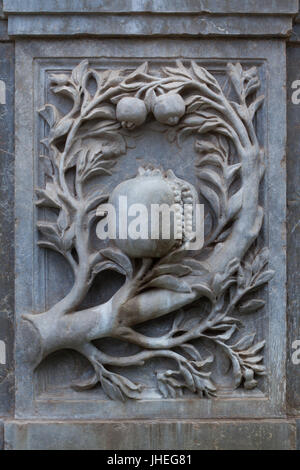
{"x":258,"y":403}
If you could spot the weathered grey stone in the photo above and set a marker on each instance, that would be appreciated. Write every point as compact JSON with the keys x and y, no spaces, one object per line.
{"x":276,"y":7}
{"x":40,"y":284}
{"x":41,"y":280}
{"x":7,"y":225}
{"x":144,"y":18}
{"x":298,"y":434}
{"x":3,"y":24}
{"x":293,"y":172}
{"x":1,"y":435}
{"x":3,"y":30}
{"x":295,"y":36}
{"x":155,"y":25}
{"x":151,"y":435}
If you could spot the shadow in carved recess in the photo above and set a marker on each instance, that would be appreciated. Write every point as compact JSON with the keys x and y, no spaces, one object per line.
{"x":173,"y":327}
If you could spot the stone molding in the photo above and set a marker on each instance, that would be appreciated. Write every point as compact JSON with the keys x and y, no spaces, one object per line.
{"x":206,"y":18}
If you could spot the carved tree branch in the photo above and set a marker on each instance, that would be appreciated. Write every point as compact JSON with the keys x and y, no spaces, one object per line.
{"x":65,"y":327}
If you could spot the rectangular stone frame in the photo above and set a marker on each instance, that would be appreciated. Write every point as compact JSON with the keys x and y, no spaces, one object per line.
{"x":293,"y":225}
{"x":272,"y":55}
{"x":159,"y":435}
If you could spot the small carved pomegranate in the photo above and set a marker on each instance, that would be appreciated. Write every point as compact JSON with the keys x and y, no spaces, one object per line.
{"x":169,"y":108}
{"x":148,"y":188}
{"x":131,"y":112}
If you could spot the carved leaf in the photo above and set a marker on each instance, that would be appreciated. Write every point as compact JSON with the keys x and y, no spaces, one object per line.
{"x":204,"y":362}
{"x":191,"y":351}
{"x":98,"y":170}
{"x":173,"y":257}
{"x":236,"y":74}
{"x":253,"y":349}
{"x":106,"y":111}
{"x":187,"y":322}
{"x":205,"y":290}
{"x":223,"y":280}
{"x":137,"y":79}
{"x":211,"y":196}
{"x":119,"y":258}
{"x":68,"y":238}
{"x":260,"y":260}
{"x":230,"y":173}
{"x":99,"y":129}
{"x":72,"y":159}
{"x":180,"y":71}
{"x":204,"y":76}
{"x":178,"y":320}
{"x":234,"y":205}
{"x":47,"y":198}
{"x":212,"y":177}
{"x":212,"y":159}
{"x":253,"y":108}
{"x":48,"y":246}
{"x":237,"y":372}
{"x":176,"y":269}
{"x":188,"y":378}
{"x":227,"y":335}
{"x":60,"y":129}
{"x":50,"y":231}
{"x":244,"y":275}
{"x":95,"y":199}
{"x":254,"y":360}
{"x":245,"y":82}
{"x":68,"y":91}
{"x":59,"y":78}
{"x":204,"y":115}
{"x":63,"y":220}
{"x":204,"y":386}
{"x":163,"y":388}
{"x":258,"y":369}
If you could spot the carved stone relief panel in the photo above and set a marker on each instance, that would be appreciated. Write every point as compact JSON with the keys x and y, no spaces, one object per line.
{"x":126,"y":327}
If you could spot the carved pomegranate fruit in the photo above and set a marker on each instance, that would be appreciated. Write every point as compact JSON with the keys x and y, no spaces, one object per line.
{"x":169,"y":108}
{"x":148,"y":188}
{"x":131,"y":112}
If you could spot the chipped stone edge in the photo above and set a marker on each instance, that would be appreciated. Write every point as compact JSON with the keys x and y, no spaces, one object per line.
{"x":151,"y":435}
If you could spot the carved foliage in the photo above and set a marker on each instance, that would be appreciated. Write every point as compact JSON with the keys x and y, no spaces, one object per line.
{"x":184,"y":100}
